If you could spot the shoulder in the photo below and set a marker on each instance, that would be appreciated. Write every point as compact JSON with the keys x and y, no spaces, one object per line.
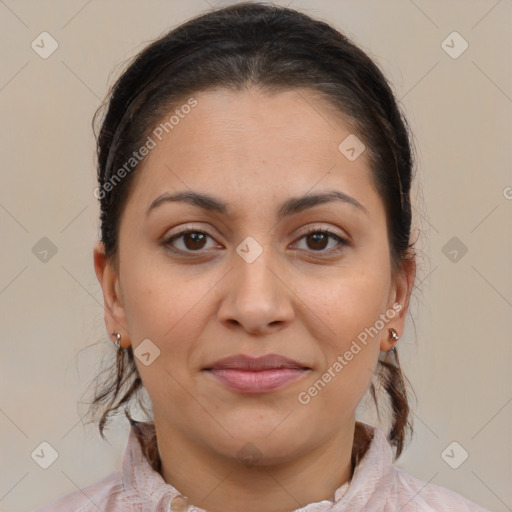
{"x":426,"y":496}
{"x":379,"y":482}
{"x":101,"y":495}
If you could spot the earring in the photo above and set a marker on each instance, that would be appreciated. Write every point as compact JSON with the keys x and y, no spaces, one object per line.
{"x":393,"y":336}
{"x":118,"y":339}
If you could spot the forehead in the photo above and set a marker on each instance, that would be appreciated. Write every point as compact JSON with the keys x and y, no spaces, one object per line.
{"x":250,"y":145}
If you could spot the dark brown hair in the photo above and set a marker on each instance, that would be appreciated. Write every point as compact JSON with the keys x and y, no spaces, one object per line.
{"x":275,"y":49}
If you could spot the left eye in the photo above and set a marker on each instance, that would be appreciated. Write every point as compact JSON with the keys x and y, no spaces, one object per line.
{"x":194,"y":240}
{"x":319,"y":238}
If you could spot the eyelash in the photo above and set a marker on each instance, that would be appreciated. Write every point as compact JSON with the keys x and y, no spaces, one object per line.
{"x":341,"y":241}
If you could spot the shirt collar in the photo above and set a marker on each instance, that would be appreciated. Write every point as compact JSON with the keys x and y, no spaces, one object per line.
{"x":371,"y":474}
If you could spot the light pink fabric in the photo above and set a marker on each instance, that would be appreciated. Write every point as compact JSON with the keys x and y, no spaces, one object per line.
{"x":376,"y":486}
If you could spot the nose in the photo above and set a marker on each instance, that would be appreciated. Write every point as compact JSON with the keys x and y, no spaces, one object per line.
{"x":256,"y":295}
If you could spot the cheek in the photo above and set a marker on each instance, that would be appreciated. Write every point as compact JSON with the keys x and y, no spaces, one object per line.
{"x":170,"y":311}
{"x":351,"y":308}
{"x":171,"y":314}
{"x":349,"y":303}
{"x":350,"y":345}
{"x":158,"y":302}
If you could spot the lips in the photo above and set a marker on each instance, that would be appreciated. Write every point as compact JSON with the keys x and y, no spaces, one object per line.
{"x":256,"y":375}
{"x":267,"y":362}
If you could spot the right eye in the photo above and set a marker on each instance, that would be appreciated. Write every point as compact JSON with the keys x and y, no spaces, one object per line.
{"x":193,"y":240}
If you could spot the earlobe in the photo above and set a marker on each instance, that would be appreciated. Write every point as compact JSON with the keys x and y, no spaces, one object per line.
{"x":109,"y":281}
{"x":402,"y":293}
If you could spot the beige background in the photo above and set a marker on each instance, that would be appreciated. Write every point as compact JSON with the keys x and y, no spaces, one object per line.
{"x":457,"y":353}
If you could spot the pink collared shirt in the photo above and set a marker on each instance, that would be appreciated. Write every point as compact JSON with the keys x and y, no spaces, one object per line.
{"x":376,"y":486}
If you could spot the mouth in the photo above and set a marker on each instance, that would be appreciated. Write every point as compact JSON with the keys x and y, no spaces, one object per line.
{"x":256,"y":375}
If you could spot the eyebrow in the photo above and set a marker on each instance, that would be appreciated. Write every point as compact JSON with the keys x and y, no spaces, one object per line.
{"x":291,"y":206}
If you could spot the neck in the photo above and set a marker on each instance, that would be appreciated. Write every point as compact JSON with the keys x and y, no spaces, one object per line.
{"x":217,"y":483}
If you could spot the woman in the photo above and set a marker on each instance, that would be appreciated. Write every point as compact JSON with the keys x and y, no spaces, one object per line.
{"x":256,"y":265}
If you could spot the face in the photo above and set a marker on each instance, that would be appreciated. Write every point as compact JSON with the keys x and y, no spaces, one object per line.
{"x":310,"y":281}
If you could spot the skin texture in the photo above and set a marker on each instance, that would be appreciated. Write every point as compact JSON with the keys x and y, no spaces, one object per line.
{"x":254,"y":150}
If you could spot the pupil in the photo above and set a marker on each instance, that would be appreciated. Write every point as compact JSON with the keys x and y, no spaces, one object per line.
{"x":317,"y":237}
{"x":196,"y":237}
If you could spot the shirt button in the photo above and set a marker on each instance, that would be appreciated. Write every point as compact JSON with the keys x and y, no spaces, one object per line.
{"x":178,"y":504}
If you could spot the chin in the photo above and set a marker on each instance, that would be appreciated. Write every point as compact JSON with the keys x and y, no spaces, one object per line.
{"x":253,"y":445}
{"x":262,"y":452}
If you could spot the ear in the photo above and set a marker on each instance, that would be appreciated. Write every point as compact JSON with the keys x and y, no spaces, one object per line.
{"x":399,"y":299}
{"x":114,"y":313}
